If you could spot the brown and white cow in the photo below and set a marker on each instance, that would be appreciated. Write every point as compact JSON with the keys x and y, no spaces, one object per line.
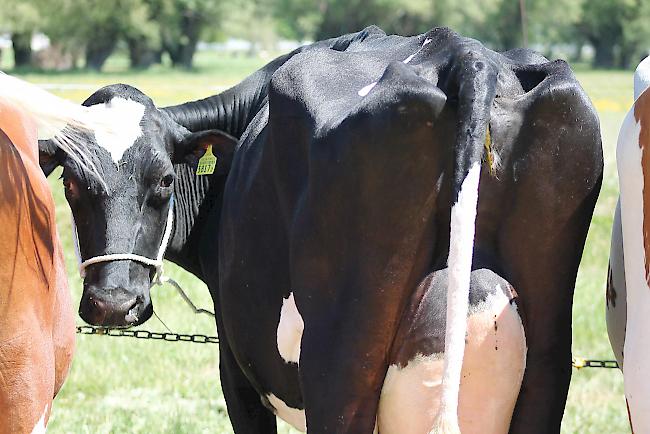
{"x":36,"y":318}
{"x":628,"y":283}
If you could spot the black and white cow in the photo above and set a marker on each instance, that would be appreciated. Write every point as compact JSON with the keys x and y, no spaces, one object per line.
{"x":346,"y":217}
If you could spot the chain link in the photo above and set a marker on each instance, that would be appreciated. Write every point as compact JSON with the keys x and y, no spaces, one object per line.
{"x":579,"y":363}
{"x":146,"y":334}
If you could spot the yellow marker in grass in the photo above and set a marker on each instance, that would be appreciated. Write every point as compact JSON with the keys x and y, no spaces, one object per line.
{"x":207,"y":163}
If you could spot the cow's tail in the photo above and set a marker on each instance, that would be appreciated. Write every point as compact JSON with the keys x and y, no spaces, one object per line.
{"x":476,"y":83}
{"x":63,"y":122}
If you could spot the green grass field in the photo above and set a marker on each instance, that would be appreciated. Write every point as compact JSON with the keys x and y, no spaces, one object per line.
{"x":120,"y":385}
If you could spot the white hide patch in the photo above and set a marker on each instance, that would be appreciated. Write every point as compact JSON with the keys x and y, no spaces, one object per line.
{"x":366,"y":89}
{"x":642,"y":77}
{"x":290,"y":328}
{"x":408,"y":59}
{"x":293,"y":416}
{"x":492,"y":371}
{"x":125,"y":116}
{"x":636,"y":349}
{"x":40,"y":426}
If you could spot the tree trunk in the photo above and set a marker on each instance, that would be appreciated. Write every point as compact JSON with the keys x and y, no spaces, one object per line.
{"x":142,"y":53}
{"x":102,"y":45}
{"x":22,"y":43}
{"x":337,"y":20}
{"x":181,"y":51}
{"x":604,"y":57}
{"x":576,"y":53}
{"x":626,"y":55}
{"x":98,"y":51}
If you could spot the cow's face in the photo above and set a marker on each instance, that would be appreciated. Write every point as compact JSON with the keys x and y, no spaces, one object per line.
{"x":125,"y":212}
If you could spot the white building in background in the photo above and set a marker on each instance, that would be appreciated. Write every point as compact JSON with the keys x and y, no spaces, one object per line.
{"x":40,"y":42}
{"x":5,"y":41}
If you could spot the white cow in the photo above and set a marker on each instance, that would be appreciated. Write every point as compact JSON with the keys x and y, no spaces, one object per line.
{"x":628,"y":283}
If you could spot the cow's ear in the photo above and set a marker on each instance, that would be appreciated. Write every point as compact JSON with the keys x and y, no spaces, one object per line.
{"x":48,"y":156}
{"x":194,"y":146}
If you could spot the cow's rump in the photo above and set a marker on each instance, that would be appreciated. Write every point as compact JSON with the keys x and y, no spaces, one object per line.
{"x":339,"y":199}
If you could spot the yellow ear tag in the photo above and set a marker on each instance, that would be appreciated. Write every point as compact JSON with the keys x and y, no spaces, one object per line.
{"x":488,"y":151}
{"x":207,"y":163}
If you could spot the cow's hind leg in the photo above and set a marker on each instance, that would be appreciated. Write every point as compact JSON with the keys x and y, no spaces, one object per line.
{"x":247,"y":413}
{"x":493,"y":366}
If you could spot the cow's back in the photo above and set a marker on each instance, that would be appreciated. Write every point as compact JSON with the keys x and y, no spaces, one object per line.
{"x":36,"y":321}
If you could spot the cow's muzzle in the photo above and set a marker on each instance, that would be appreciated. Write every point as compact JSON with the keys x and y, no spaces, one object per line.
{"x":115,"y":307}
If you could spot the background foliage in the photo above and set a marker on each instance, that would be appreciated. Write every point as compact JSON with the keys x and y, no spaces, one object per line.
{"x":88,"y":31}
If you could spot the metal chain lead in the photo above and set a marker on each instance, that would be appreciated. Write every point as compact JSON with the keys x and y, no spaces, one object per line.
{"x":576,"y":362}
{"x":579,"y":363}
{"x":146,"y":334}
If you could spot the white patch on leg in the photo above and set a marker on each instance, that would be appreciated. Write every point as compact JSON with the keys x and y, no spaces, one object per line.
{"x":408,"y":402}
{"x":40,"y":426}
{"x":290,"y":328}
{"x":492,"y":371}
{"x":125,"y":115}
{"x":293,"y":416}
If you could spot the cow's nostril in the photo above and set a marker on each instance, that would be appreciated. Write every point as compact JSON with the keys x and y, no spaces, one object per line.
{"x":132,"y":314}
{"x":93,"y":311}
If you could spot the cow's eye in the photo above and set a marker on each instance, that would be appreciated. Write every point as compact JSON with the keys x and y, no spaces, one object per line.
{"x":166,"y":181}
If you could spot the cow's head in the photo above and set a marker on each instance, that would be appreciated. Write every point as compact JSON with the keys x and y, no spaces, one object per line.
{"x":126,"y":211}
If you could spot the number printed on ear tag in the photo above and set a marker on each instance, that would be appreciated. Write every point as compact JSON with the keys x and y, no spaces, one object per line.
{"x":207,"y":163}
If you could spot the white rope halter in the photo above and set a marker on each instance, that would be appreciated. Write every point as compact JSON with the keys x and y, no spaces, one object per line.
{"x":156,"y":263}
{"x":159,"y":278}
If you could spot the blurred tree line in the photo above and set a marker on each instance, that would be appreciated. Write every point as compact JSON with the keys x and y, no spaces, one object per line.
{"x":91,"y":30}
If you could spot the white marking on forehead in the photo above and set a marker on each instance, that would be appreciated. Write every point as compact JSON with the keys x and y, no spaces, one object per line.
{"x":290,"y":328}
{"x":293,"y":416}
{"x":124,"y":116}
